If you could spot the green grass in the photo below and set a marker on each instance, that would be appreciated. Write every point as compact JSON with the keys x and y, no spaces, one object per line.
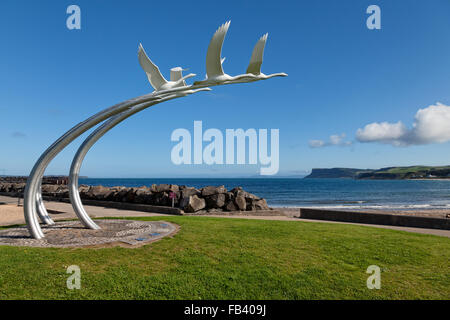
{"x":413,"y":169}
{"x":217,"y":258}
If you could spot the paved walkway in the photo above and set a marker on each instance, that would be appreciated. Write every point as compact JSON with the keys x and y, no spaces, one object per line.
{"x":10,"y":214}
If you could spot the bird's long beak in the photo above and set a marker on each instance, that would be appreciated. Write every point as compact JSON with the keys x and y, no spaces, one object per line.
{"x":190,"y":75}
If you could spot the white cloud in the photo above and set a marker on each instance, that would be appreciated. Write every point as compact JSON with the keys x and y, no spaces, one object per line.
{"x":335,"y":140}
{"x":431,"y":125}
{"x":316,"y":143}
{"x":382,"y":132}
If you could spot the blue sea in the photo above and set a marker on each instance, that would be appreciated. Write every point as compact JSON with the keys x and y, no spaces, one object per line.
{"x":323,"y":193}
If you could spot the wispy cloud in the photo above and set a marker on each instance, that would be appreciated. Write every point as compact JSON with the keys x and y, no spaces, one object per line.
{"x":431,"y":125}
{"x":334,"y":140}
{"x":18,"y":135}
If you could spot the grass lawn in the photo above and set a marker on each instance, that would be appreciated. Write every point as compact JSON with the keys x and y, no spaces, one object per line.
{"x":219,"y":258}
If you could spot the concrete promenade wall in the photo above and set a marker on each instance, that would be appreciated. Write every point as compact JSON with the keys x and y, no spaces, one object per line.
{"x":376,"y":218}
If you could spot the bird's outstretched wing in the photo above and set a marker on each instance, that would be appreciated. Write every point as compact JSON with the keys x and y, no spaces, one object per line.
{"x":153,"y":74}
{"x":256,"y":60}
{"x":213,"y":60}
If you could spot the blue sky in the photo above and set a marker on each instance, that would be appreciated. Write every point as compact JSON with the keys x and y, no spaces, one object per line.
{"x":342,"y":76}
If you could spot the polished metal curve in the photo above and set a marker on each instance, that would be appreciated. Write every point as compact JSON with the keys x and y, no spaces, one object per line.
{"x":32,"y":193}
{"x":164,"y":90}
{"x":74,"y":194}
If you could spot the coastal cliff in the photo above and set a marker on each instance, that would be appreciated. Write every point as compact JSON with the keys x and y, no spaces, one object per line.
{"x":395,"y":173}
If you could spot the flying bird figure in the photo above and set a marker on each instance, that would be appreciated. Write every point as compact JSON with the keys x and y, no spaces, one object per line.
{"x":155,"y":77}
{"x":214,"y":71}
{"x":256,"y":61}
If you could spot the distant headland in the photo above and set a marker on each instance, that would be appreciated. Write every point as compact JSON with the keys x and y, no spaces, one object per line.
{"x":398,"y":173}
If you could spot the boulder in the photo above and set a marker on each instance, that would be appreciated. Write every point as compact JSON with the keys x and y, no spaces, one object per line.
{"x":142,"y":195}
{"x":194,"y":204}
{"x":207,"y":199}
{"x":83,"y":190}
{"x":253,"y":204}
{"x":216,"y":200}
{"x":121,"y":194}
{"x":246,"y":194}
{"x":261,"y":205}
{"x":229,"y":196}
{"x":241,"y":203}
{"x":49,"y":189}
{"x":162,"y":199}
{"x":99,"y":193}
{"x":63,"y":192}
{"x":186,"y":192}
{"x":210,"y":190}
{"x":230,"y":206}
{"x":131,"y":195}
{"x":19,"y":187}
{"x":161,"y":188}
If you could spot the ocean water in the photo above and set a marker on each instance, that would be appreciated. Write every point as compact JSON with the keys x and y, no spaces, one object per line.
{"x":323,"y":193}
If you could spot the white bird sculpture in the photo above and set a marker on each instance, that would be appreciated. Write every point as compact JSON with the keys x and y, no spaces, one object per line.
{"x":177,"y":74}
{"x":256,"y":61}
{"x":155,"y":77}
{"x":214,"y":70}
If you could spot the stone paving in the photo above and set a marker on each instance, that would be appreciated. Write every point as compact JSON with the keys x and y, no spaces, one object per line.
{"x":66,"y":234}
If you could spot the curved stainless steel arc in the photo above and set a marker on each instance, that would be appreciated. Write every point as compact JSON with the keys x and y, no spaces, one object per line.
{"x":32,"y":223}
{"x":40,"y":207}
{"x":164,"y":90}
{"x":32,"y":188}
{"x":36,"y":174}
{"x":91,"y":140}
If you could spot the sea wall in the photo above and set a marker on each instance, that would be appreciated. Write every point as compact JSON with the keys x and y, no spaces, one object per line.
{"x":375,"y":218}
{"x":211,"y":199}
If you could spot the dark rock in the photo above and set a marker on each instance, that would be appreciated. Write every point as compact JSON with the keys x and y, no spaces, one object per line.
{"x":100,"y":193}
{"x":189,"y":191}
{"x":246,"y":194}
{"x":83,"y":190}
{"x":210,"y":190}
{"x":161,"y":188}
{"x":194,"y":204}
{"x":131,"y":195}
{"x":162,"y":199}
{"x":229,"y":196}
{"x":261,"y":205}
{"x":142,"y":195}
{"x":216,"y":200}
{"x":230,"y":206}
{"x":121,"y":194}
{"x":235,"y":190}
{"x":207,"y":199}
{"x":49,"y":189}
{"x":240,"y":203}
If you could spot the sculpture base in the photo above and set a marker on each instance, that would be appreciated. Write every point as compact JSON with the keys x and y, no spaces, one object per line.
{"x":69,"y":234}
